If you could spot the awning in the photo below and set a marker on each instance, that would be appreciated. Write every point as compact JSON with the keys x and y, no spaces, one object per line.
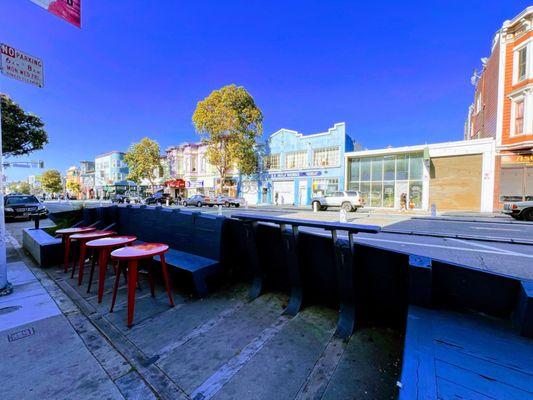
{"x":175,"y":183}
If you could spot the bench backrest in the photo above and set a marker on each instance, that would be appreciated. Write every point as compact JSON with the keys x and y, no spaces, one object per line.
{"x":191,"y":232}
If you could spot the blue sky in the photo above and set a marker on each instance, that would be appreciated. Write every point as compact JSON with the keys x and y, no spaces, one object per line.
{"x":397,"y":72}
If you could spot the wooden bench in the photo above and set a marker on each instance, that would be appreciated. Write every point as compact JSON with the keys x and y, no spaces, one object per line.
{"x":199,"y":267}
{"x":194,"y":239}
{"x":44,"y":248}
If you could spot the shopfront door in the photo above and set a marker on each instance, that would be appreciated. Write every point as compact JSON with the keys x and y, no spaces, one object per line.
{"x":283,"y":192}
{"x":302,"y":193}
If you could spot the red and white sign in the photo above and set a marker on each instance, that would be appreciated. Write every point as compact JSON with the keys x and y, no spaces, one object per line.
{"x":69,"y":10}
{"x":21,"y":66}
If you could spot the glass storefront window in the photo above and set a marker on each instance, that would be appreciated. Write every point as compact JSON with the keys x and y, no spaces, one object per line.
{"x":354,"y":171}
{"x":364,"y":190}
{"x":388,"y":194}
{"x":415,"y":166}
{"x":382,"y":180}
{"x":377,"y":169}
{"x":376,"y":194}
{"x":388,"y":168}
{"x":353,"y":186}
{"x":365,"y":169}
{"x":415,"y":194}
{"x":402,"y":168}
{"x":325,"y":187}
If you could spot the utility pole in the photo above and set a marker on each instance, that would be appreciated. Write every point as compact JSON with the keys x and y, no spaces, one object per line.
{"x":5,"y":286}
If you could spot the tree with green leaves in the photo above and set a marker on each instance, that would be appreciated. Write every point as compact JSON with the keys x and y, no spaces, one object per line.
{"x":229,"y":122}
{"x":22,"y":187}
{"x":22,"y":132}
{"x":143,"y":160}
{"x":73,"y":187}
{"x":51,"y":181}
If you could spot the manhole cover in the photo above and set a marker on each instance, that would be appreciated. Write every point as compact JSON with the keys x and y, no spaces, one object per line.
{"x":20,"y":334}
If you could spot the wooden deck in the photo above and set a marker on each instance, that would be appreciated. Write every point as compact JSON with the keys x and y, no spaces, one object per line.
{"x":450,"y":355}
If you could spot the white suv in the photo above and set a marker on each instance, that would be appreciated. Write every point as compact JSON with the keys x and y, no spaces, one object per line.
{"x":521,"y":210}
{"x":347,"y":200}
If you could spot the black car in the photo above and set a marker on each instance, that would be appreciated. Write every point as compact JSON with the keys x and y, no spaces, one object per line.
{"x":159,"y":198}
{"x":23,"y":206}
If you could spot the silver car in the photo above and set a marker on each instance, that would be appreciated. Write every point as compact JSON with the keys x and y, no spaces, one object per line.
{"x":521,"y":210}
{"x":347,"y":200}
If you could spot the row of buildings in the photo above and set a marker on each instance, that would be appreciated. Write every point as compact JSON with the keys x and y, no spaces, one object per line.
{"x":492,"y":164}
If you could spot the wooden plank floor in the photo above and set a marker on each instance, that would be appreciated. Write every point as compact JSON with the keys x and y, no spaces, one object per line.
{"x":450,"y":355}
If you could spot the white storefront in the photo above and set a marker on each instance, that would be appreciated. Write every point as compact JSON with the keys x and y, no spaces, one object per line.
{"x":283,"y":192}
{"x":452,"y":175}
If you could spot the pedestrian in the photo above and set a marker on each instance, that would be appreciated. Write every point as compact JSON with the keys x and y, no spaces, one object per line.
{"x":403,"y":202}
{"x":276,"y":197}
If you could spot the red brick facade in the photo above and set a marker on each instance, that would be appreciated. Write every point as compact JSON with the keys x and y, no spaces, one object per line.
{"x":503,"y":103}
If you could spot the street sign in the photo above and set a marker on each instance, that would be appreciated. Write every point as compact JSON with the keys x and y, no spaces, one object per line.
{"x":21,"y":66}
{"x":69,"y":10}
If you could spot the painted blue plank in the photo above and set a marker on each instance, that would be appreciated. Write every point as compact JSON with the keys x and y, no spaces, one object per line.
{"x":418,"y":372}
{"x":452,"y":391}
{"x":480,"y":383}
{"x":485,"y":339}
{"x":490,"y":370}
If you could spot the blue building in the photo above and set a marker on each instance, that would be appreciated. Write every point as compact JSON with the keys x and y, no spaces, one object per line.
{"x":109,"y":168}
{"x":299,"y":167}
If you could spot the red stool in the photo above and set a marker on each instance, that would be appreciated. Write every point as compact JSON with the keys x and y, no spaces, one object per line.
{"x":83,"y":238}
{"x":65,"y":236}
{"x":132,"y":254}
{"x":104,"y":246}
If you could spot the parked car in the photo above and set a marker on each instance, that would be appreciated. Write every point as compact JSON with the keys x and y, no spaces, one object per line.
{"x":23,"y":206}
{"x":198,"y":200}
{"x":120,"y":199}
{"x":520,"y":210}
{"x":347,"y":200}
{"x":159,"y":198}
{"x":228,"y":201}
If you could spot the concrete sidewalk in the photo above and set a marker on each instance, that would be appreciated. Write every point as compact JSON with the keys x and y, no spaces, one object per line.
{"x":44,"y":356}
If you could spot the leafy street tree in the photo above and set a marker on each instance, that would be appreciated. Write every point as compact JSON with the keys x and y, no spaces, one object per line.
{"x":229,"y":123}
{"x":20,"y":187}
{"x":22,"y":132}
{"x":143,"y":160}
{"x":51,"y":181}
{"x":73,"y":187}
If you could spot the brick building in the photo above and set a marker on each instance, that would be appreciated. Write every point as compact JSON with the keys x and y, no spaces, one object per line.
{"x":503,"y":108}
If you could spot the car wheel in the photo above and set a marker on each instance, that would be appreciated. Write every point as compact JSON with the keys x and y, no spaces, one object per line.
{"x":324,"y":208}
{"x":346,"y":206}
{"x":227,"y":204}
{"x":199,"y":204}
{"x":236,"y":205}
{"x":527,"y":214}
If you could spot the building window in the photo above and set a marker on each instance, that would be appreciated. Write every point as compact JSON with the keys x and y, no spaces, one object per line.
{"x":272,"y":161}
{"x":519,"y":117}
{"x":522,"y":63}
{"x":326,"y":157}
{"x":325,"y":187}
{"x":382,"y":180}
{"x":297,"y":159}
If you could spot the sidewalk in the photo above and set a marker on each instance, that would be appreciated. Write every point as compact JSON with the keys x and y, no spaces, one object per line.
{"x":43,"y":355}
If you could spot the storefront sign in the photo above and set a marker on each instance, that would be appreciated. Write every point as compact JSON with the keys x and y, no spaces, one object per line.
{"x":517,"y":159}
{"x":195,"y":184}
{"x":21,"y":66}
{"x":275,"y":175}
{"x":69,"y":10}
{"x":176,"y":183}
